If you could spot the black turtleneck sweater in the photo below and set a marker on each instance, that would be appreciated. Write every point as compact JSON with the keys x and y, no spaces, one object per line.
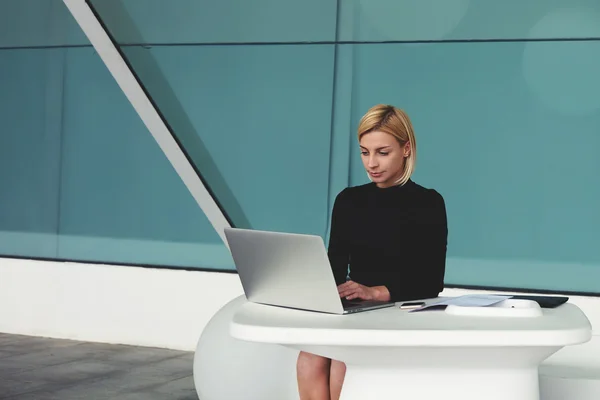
{"x":395,"y":237}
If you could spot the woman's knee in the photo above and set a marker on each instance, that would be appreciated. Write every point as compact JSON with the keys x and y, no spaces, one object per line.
{"x":312,"y":364}
{"x":338,"y":367}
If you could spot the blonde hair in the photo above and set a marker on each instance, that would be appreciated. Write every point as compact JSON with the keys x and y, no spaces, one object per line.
{"x":391,"y":120}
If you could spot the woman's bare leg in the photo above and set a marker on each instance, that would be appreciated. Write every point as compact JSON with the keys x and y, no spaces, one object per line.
{"x":336,"y":378}
{"x":313,"y":376}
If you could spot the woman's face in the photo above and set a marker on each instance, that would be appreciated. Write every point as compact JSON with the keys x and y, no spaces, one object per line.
{"x":383,"y":157}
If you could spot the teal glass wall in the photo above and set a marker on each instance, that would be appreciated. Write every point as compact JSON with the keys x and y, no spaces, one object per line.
{"x":265,"y":96}
{"x":83,"y":179}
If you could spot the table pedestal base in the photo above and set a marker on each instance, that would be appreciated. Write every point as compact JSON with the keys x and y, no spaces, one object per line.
{"x":363,"y":382}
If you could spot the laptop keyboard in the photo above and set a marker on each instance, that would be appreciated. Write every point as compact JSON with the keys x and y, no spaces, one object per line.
{"x":360,"y":303}
{"x":349,"y":303}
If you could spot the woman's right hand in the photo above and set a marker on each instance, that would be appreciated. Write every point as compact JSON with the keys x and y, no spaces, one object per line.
{"x":352,"y":290}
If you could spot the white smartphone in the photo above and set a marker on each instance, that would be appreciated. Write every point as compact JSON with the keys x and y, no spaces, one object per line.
{"x":411,"y":304}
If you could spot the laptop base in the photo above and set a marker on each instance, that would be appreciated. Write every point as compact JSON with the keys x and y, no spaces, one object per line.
{"x":355,"y":306}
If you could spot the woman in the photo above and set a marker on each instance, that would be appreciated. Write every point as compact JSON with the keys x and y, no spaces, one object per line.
{"x":391,"y":233}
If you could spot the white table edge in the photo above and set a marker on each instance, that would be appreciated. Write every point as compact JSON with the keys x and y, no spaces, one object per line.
{"x":374,"y":338}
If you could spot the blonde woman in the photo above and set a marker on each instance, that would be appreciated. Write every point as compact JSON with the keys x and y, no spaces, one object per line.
{"x":390,"y":235}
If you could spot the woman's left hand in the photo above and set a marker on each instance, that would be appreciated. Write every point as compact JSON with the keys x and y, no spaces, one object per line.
{"x":352,"y":290}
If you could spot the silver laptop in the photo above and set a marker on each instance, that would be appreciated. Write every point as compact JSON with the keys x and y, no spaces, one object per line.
{"x":289,"y":270}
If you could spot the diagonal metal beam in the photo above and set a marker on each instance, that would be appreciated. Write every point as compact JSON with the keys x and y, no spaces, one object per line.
{"x":136,"y":95}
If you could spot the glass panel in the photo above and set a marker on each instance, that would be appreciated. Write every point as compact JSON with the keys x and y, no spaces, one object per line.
{"x":121,"y":201}
{"x":244,"y":113}
{"x":35,"y":23}
{"x":256,"y":121}
{"x":508,"y":133}
{"x":30,"y":111}
{"x":408,"y":20}
{"x":224,"y":21}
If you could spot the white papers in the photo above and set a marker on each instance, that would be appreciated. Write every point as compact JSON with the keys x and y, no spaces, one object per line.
{"x":468,"y":300}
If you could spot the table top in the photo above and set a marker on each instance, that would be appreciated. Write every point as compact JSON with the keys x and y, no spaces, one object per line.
{"x":561,"y":326}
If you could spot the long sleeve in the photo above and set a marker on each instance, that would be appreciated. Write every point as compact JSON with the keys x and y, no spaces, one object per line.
{"x":424,"y":277}
{"x":339,"y":249}
{"x":435,"y":258}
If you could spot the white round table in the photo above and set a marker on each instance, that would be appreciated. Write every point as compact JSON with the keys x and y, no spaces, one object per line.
{"x":393,"y":354}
